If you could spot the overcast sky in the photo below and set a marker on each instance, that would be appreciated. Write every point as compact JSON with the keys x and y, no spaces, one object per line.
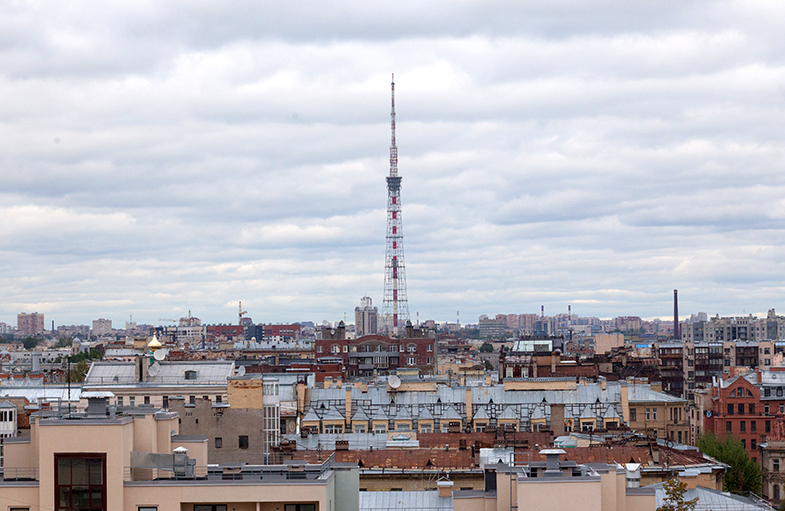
{"x":161,"y":157}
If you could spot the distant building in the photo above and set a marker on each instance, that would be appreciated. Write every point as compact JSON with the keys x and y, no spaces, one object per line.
{"x":491,"y":328}
{"x":366,"y":318}
{"x":30,"y":324}
{"x":101,"y":327}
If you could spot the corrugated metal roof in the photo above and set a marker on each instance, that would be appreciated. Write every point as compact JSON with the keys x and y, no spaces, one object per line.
{"x":409,"y":500}
{"x":712,"y":500}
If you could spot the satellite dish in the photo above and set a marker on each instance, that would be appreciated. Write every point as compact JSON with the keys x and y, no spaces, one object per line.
{"x":154,"y":370}
{"x":159,"y":355}
{"x":241,"y":371}
{"x":394,"y":381}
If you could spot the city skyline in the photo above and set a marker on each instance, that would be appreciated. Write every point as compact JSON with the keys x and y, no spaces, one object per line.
{"x":165,"y":158}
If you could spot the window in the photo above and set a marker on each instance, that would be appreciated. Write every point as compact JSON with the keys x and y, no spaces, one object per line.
{"x":753,"y":445}
{"x":80,"y":482}
{"x":360,"y":428}
{"x":730,"y":409}
{"x":147,"y":400}
{"x":214,"y":507}
{"x":318,"y":349}
{"x":425,"y":428}
{"x":728,"y":427}
{"x":132,"y":401}
{"x":429,"y":347}
{"x":119,"y":400}
{"x":394,"y":348}
{"x":744,"y":443}
{"x":412,"y":348}
{"x":166,"y":401}
{"x":779,"y":391}
{"x":294,"y":507}
{"x":743,"y":426}
{"x":333,"y":429}
{"x":776,"y":492}
{"x":751,"y":408}
{"x":767,"y":426}
{"x":776,"y":464}
{"x":192,"y":400}
{"x":654,"y":414}
{"x":753,"y":426}
{"x":782,"y":408}
{"x":147,"y":508}
{"x":648,"y":414}
{"x":243,"y":441}
{"x":430,"y":360}
{"x":741,"y":408}
{"x":633,"y":414}
{"x":219,"y":442}
{"x":767,"y":392}
{"x":190,"y":375}
{"x":412,"y":361}
{"x":380,"y":428}
{"x":219,"y":399}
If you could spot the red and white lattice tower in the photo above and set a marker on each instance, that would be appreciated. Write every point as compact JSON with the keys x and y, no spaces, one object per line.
{"x":395,"y":308}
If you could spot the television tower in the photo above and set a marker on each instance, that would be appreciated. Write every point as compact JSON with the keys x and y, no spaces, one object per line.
{"x":395,"y":307}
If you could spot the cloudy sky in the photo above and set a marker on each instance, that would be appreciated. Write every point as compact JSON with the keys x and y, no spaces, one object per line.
{"x":161,"y":157}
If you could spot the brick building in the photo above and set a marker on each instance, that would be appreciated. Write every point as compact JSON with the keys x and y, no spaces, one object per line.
{"x":377,"y":354}
{"x":746,"y":406}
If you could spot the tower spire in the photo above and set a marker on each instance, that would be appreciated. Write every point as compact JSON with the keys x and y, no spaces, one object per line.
{"x":395,"y":307}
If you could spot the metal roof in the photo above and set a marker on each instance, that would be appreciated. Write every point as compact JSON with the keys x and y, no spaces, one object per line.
{"x":409,"y":500}
{"x":712,"y":500}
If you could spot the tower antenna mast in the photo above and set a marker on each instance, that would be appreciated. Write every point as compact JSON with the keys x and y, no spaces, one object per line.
{"x":396,"y":305}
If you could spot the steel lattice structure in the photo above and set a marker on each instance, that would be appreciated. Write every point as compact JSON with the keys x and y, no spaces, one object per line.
{"x":395,"y":308}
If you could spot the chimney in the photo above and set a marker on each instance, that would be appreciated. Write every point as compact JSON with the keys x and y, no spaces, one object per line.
{"x":445,"y":488}
{"x":348,"y":405}
{"x":542,"y":311}
{"x":676,"y":329}
{"x":469,"y":411}
{"x":552,"y":462}
{"x":557,"y":419}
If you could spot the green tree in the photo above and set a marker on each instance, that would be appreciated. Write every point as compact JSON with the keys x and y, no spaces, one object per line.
{"x":30,"y":342}
{"x":743,"y":475}
{"x":79,"y":371}
{"x":674,"y":497}
{"x":486,"y":348}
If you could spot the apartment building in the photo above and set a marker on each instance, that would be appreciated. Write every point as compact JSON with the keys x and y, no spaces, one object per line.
{"x":372,"y":355}
{"x":28,"y":324}
{"x":102,"y":460}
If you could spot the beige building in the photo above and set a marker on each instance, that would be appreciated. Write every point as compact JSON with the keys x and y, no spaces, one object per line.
{"x":555,"y":485}
{"x":99,"y":460}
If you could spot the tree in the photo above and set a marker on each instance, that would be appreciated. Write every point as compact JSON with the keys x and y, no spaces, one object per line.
{"x":743,"y":475}
{"x":674,"y":497}
{"x":486,"y":348}
{"x":30,"y":342}
{"x":79,"y":371}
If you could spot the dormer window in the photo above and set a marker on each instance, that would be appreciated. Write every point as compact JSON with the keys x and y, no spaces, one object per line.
{"x":190,"y":375}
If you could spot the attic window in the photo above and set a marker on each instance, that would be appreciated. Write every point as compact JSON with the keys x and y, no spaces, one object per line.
{"x":190,"y":375}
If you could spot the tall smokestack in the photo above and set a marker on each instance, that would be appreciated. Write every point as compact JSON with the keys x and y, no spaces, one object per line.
{"x":542,"y":311}
{"x":676,"y":329}
{"x":569,"y":311}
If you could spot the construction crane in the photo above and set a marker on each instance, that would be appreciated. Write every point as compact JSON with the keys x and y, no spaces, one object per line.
{"x":241,"y":314}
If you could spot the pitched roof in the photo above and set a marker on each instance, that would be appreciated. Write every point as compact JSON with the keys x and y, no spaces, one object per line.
{"x":360,"y":415}
{"x":311,"y":415}
{"x":610,"y":413}
{"x":451,"y":414}
{"x":380,"y":415}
